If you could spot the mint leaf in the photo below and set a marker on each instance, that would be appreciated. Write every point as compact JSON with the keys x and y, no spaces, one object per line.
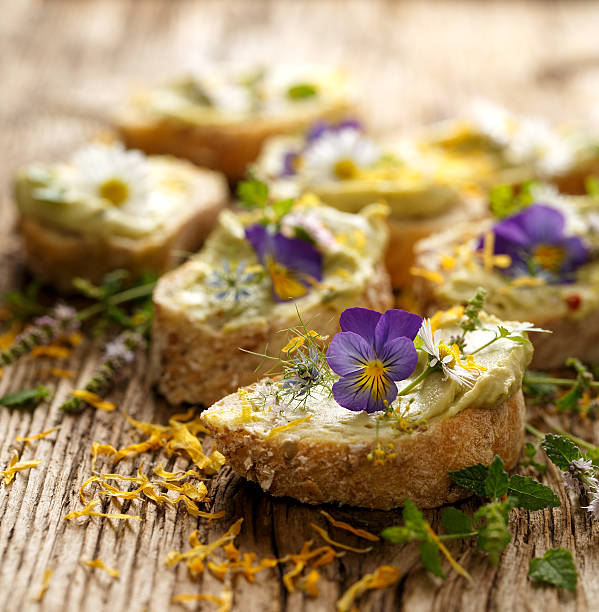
{"x":430,"y":557}
{"x":496,"y":480}
{"x":560,"y":450}
{"x":530,"y":494}
{"x":25,"y":398}
{"x":455,"y":521}
{"x":398,"y":535}
{"x":493,"y":535}
{"x":253,"y":193}
{"x":301,"y":91}
{"x":471,"y":478}
{"x":556,"y":567}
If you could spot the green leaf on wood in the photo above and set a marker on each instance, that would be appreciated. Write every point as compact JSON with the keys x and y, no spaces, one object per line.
{"x":556,"y":567}
{"x":455,"y":521}
{"x":25,"y":398}
{"x":530,"y":494}
{"x":471,"y":478}
{"x":496,"y":480}
{"x":560,"y":450}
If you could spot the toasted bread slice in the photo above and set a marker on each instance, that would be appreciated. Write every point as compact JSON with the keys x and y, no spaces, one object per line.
{"x":180,"y":120}
{"x":64,"y":239}
{"x":319,"y":452}
{"x":202,"y":336}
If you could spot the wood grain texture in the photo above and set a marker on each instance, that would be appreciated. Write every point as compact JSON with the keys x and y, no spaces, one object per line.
{"x":63,"y":66}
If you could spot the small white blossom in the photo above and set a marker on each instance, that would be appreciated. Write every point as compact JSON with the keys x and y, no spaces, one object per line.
{"x":430,"y":344}
{"x":312,"y":225}
{"x":593,"y":506}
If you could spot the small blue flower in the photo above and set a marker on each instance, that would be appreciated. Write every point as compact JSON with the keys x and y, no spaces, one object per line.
{"x":232,"y":283}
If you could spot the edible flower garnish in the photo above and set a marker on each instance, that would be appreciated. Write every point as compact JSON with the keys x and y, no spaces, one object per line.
{"x":233,"y":283}
{"x":372,"y":351}
{"x":536,"y":243}
{"x":293,"y":265}
{"x":111,"y":173}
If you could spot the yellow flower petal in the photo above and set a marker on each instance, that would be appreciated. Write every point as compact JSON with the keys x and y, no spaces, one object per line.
{"x":93,"y":400}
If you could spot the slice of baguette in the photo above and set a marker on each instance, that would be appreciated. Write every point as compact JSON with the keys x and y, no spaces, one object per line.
{"x":226,"y":146}
{"x":58,"y":255}
{"x":202,"y":356}
{"x":324,"y":469}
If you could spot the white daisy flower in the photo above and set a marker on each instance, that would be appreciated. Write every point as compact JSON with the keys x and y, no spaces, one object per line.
{"x":441,"y":353}
{"x":111,"y":173}
{"x":338,"y":155}
{"x":231,"y":98}
{"x":312,"y":225}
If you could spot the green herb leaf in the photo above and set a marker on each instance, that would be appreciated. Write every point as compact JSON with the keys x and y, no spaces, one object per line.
{"x":25,"y":398}
{"x":431,"y":559}
{"x":504,"y":201}
{"x":569,"y":401}
{"x":530,"y":494}
{"x":301,"y":91}
{"x":531,"y":387}
{"x":281,"y":207}
{"x":556,"y":567}
{"x":253,"y":193}
{"x":470,"y":320}
{"x":560,"y":450}
{"x":493,"y":535}
{"x":455,"y":521}
{"x":471,"y":478}
{"x":496,"y":480}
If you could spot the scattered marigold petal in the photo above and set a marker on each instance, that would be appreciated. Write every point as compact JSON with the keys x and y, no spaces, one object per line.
{"x":196,"y":597}
{"x":15,"y":466}
{"x":99,"y":564}
{"x":38,"y":436}
{"x":100,"y":449}
{"x":528,"y":281}
{"x":382,"y":577}
{"x":51,"y":350}
{"x":87,"y":482}
{"x":434,"y":277}
{"x":61,"y":373}
{"x":311,"y":583}
{"x":160,"y":471}
{"x":87,"y":510}
{"x":45,"y":584}
{"x":456,"y":566}
{"x":325,"y":536}
{"x":75,"y":338}
{"x":93,"y":400}
{"x":361,"y":533}
{"x":276,"y":430}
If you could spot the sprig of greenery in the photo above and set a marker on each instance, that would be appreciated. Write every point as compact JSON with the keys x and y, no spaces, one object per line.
{"x":22,"y":305}
{"x":253,"y":194}
{"x":505,"y":200}
{"x":489,"y":525}
{"x":25,"y":398}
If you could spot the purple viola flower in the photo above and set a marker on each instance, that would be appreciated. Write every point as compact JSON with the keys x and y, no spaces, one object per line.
{"x":536,"y":243}
{"x":293,"y":265}
{"x":371,"y":352}
{"x":289,"y":163}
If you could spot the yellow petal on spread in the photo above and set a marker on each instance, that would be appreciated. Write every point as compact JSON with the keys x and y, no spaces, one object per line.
{"x":15,"y":466}
{"x":325,"y":536}
{"x":441,"y":317}
{"x":88,"y":510}
{"x":528,"y":281}
{"x":361,"y":533}
{"x":38,"y":436}
{"x":456,"y":566}
{"x":447,"y":262}
{"x":383,"y":577}
{"x":51,"y":350}
{"x":45,"y":584}
{"x":93,"y":400}
{"x":99,"y":564}
{"x":276,"y":430}
{"x":100,"y":449}
{"x":246,"y":405}
{"x":434,"y":277}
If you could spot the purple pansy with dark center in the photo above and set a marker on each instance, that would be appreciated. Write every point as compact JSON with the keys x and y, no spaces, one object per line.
{"x":294,"y":265}
{"x":536,"y":243}
{"x":372,"y":351}
{"x":316,"y":131}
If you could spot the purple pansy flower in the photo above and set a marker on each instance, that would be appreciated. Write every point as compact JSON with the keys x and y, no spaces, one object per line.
{"x":535,"y":241}
{"x":293,"y":265}
{"x":371,"y":352}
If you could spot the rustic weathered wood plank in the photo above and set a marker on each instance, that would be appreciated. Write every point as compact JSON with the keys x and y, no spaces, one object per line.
{"x":63,"y":66}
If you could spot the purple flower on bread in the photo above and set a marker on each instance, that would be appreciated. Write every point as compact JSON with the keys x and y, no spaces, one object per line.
{"x":372,"y":351}
{"x":293,"y":265}
{"x":537,"y":245}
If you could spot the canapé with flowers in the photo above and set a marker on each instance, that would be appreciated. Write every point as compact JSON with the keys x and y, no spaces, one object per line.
{"x":220,"y":119}
{"x":256,"y":272}
{"x":538,"y":261}
{"x":109,"y":208}
{"x":346,"y":169}
{"x":393,"y":404}
{"x":492,"y":145}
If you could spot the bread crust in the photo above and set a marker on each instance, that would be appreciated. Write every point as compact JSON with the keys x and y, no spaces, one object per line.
{"x":326,"y":470}
{"x":228,"y":147}
{"x":196,"y":363}
{"x":57,"y":256}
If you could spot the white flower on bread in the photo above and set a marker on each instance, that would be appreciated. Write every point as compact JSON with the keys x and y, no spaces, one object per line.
{"x":338,"y":155}
{"x":112,"y":174}
{"x":437,"y":349}
{"x":312,"y":224}
{"x":524,"y":139}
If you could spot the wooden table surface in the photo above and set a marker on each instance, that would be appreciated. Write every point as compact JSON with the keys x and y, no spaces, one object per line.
{"x":63,"y":67}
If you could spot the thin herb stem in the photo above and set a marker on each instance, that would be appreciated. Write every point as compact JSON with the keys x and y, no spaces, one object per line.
{"x":118,"y":298}
{"x":457,"y":536}
{"x":480,"y":348}
{"x":556,"y":381}
{"x":575,"y":439}
{"x":417,"y":380}
{"x":534,"y":431}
